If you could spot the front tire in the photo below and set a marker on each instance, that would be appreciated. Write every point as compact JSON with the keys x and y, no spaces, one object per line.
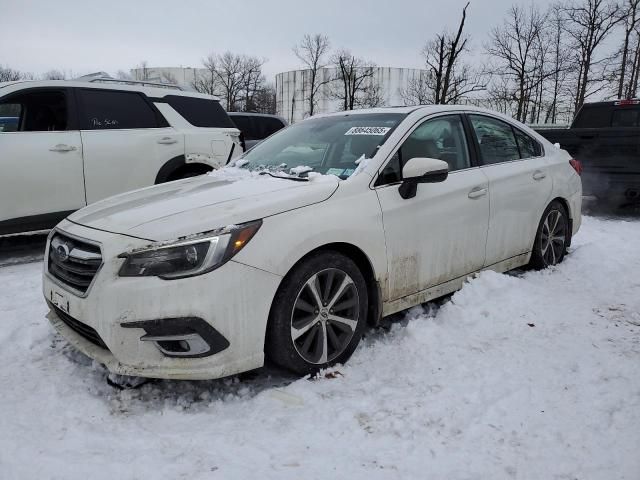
{"x":318,"y":315}
{"x":552,"y":237}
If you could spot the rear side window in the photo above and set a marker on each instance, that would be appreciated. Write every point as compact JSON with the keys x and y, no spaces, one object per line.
{"x":110,"y":110}
{"x":267,"y":126}
{"x":626,"y":118}
{"x":593,"y":116}
{"x":37,"y":111}
{"x":200,"y":112}
{"x":529,"y":148}
{"x":246,"y":125}
{"x":496,"y":140}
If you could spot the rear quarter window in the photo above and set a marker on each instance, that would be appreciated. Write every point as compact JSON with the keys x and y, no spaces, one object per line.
{"x":200,"y":112}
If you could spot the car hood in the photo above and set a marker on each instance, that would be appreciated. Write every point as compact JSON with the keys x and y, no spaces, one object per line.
{"x":199,"y":204}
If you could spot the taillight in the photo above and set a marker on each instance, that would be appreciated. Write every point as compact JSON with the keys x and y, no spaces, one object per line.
{"x":577,"y":165}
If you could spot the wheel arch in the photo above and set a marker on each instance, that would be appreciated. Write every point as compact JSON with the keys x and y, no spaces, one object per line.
{"x":362,"y":261}
{"x":178,"y":165}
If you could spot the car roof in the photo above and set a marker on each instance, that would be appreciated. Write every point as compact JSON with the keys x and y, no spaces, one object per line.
{"x":426,"y":109}
{"x":110,"y":84}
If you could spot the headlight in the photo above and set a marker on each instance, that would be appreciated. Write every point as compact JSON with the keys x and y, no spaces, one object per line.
{"x":187,"y":257}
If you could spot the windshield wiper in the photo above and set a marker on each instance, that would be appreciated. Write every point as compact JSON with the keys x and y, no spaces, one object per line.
{"x":285,"y":177}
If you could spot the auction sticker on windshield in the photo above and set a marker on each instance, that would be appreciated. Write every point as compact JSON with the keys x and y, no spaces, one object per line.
{"x":380,"y":131}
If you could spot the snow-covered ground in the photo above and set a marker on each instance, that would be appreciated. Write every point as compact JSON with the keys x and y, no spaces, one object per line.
{"x":531,"y":375}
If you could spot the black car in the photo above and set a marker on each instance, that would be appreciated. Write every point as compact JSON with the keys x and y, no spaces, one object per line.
{"x":255,"y":127}
{"x":605,"y":137}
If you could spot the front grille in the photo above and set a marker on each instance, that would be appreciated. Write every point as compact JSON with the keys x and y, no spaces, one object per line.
{"x":80,"y":328}
{"x":73,"y":261}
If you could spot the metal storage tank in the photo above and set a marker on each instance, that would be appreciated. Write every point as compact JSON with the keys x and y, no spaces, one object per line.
{"x":292,"y":90}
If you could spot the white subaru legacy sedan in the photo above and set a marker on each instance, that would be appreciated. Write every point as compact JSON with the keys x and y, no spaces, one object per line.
{"x":289,"y":252}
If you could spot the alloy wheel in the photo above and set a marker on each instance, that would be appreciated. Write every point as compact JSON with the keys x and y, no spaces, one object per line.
{"x":553,"y":237}
{"x":325,"y":316}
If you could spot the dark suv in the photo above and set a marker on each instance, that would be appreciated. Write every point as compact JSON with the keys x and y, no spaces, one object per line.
{"x":255,"y":127}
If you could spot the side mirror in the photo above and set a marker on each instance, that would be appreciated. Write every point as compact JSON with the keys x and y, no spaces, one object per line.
{"x":421,"y":170}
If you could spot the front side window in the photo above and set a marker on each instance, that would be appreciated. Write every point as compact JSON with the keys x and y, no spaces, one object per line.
{"x":268,"y":126}
{"x":441,"y":138}
{"x":39,"y":111}
{"x":112,"y":110}
{"x":496,"y":139}
{"x":331,"y":145}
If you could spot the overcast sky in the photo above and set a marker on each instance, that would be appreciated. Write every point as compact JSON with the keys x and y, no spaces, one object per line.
{"x":86,"y":36}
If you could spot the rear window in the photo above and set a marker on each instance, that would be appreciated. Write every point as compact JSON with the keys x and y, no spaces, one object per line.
{"x":628,"y":117}
{"x":200,"y":112}
{"x":111,"y":110}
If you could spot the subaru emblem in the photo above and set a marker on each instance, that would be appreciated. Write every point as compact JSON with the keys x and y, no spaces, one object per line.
{"x":62,"y":252}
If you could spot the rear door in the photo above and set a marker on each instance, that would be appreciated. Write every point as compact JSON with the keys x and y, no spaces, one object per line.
{"x":41,"y":177}
{"x":519,"y":184}
{"x":125,"y":140}
{"x":440,"y":234}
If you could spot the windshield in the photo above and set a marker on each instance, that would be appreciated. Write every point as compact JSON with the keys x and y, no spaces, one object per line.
{"x":329,"y":145}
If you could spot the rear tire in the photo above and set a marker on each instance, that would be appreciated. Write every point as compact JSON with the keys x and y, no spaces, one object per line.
{"x":318,"y":315}
{"x":552,"y":237}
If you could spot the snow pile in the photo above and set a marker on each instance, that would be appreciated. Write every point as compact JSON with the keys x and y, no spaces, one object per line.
{"x":530,"y":376}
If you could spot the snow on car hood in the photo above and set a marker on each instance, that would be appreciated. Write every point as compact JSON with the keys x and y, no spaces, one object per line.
{"x":225,"y":197}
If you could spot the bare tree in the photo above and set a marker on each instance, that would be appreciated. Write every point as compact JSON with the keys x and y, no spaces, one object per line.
{"x":55,"y":75}
{"x":312,"y":51}
{"x":561,"y":64}
{"x":168,"y":77}
{"x":207,"y":81}
{"x":234,"y":78}
{"x":142,"y":71}
{"x":264,"y":100}
{"x":589,"y":23}
{"x":354,"y":80}
{"x":10,"y":75}
{"x":514,"y":47}
{"x":632,"y":87}
{"x":630,"y":16}
{"x":123,"y":75}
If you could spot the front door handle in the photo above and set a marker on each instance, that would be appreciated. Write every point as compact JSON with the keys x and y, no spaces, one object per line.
{"x":539,"y":175}
{"x":477,"y":192}
{"x":61,"y":147}
{"x":167,"y":141}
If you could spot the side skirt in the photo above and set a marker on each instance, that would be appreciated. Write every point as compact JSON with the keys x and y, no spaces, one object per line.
{"x":32,"y":224}
{"x":451,"y":286}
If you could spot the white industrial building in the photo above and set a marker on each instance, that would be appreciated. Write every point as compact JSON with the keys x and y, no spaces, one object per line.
{"x":183,"y":76}
{"x":292,"y":90}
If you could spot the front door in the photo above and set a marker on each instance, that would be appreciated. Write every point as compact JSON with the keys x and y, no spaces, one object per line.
{"x":41,"y":178}
{"x":440,"y":234}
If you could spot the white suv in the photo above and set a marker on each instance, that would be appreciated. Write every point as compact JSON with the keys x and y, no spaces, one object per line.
{"x":66,"y":144}
{"x":324,"y":227}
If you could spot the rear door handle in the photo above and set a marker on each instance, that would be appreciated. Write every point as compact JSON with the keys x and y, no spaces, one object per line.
{"x":477,"y":192}
{"x":61,"y":147}
{"x":167,"y":141}
{"x":539,"y":175}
